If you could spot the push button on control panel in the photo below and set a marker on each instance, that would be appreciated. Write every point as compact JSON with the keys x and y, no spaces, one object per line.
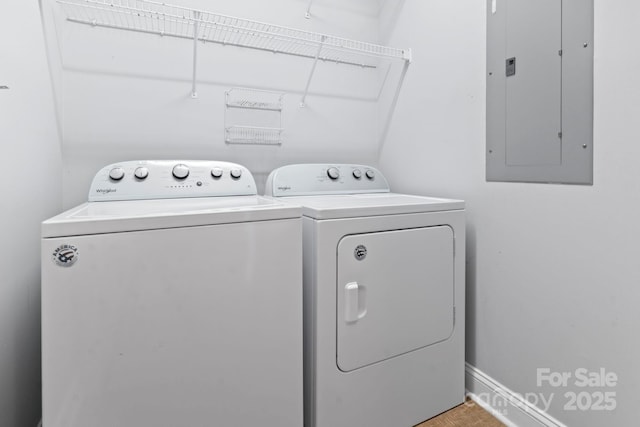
{"x":333,"y":173}
{"x":235,"y":173}
{"x":141,"y":173}
{"x":370,"y":174}
{"x":116,"y":174}
{"x":216,"y":173}
{"x":357,"y":173}
{"x":180,"y":171}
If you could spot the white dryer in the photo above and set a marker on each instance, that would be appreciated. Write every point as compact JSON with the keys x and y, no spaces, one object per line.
{"x":383,"y":297}
{"x":172,"y":298}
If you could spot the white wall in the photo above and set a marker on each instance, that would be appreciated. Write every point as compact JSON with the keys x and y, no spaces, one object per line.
{"x":553,"y":274}
{"x":126,"y":95}
{"x":31,"y":191}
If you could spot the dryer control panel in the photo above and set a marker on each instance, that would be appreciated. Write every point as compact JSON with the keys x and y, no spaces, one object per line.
{"x":169,"y":179}
{"x":316,"y":179}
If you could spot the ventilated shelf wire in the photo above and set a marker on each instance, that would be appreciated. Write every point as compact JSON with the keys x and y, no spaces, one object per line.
{"x":164,"y":19}
{"x":254,"y":105}
{"x":254,"y":99}
{"x":253,"y":135}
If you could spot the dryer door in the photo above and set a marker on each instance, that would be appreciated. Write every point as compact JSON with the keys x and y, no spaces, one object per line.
{"x":394,"y":293}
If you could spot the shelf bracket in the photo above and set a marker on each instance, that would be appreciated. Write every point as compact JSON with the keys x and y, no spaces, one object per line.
{"x":196,"y":21}
{"x":313,"y":70}
{"x":308,"y":13}
{"x":394,"y":102}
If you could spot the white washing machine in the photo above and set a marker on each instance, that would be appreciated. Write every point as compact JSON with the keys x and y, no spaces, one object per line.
{"x":172,"y":298}
{"x":383,"y":297}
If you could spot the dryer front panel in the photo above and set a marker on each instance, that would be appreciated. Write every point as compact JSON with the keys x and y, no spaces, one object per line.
{"x":395,"y":293}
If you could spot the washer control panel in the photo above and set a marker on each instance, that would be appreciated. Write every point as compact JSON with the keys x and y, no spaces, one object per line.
{"x":316,"y":179}
{"x":168,"y":179}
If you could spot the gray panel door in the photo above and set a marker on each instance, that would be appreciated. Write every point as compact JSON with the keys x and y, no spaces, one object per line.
{"x":534,"y":92}
{"x":394,"y":293}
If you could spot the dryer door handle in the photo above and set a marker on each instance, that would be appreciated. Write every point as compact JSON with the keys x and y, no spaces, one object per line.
{"x":354,"y":302}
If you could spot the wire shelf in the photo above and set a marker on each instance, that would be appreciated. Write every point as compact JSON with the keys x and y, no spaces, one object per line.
{"x":254,"y":99}
{"x":176,"y":21}
{"x":253,"y":135}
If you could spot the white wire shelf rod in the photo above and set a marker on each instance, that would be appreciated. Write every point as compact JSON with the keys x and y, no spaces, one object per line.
{"x":256,"y":128}
{"x":253,"y":107}
{"x":114,"y":8}
{"x":137,"y":30}
{"x":332,"y":42}
{"x":188,"y":37}
{"x":252,"y":142}
{"x":309,"y":37}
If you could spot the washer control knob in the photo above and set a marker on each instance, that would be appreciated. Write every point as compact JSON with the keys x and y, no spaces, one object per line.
{"x":333,"y":173}
{"x":216,"y":173}
{"x":116,"y":174}
{"x":235,"y":173}
{"x":181,"y":171}
{"x":357,"y":173}
{"x":370,"y":174}
{"x":141,"y":172}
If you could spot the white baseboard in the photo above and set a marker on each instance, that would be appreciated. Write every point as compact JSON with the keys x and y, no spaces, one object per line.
{"x":508,"y":407}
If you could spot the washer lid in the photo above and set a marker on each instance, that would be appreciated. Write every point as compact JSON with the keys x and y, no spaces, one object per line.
{"x":136,"y":215}
{"x":360,"y":205}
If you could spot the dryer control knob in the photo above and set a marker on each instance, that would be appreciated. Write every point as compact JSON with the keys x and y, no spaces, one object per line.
{"x":141,"y":173}
{"x":333,"y":173}
{"x":370,"y":174}
{"x":216,"y":173}
{"x":116,"y":174}
{"x":357,"y":173}
{"x":235,"y":173}
{"x":181,"y":171}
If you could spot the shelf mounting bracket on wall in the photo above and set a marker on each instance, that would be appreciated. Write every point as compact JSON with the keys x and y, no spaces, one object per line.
{"x":394,"y":103}
{"x":313,"y":70}
{"x":196,"y":19}
{"x":308,"y":13}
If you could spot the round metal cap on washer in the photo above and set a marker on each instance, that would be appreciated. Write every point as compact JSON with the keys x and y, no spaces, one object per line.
{"x":180,"y":171}
{"x":141,"y":172}
{"x":357,"y":173}
{"x":235,"y":173}
{"x":370,"y":174}
{"x":216,"y":173}
{"x":116,"y":174}
{"x":333,"y":173}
